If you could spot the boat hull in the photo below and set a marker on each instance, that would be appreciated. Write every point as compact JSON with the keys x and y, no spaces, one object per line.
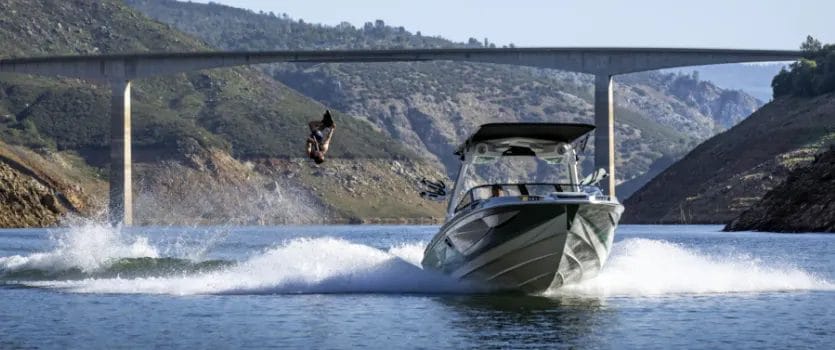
{"x":526,"y":246}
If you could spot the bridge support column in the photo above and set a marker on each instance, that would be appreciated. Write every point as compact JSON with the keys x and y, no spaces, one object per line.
{"x":120,"y":209}
{"x":604,"y":134}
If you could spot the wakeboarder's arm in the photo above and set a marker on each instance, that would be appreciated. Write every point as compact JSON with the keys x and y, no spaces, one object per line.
{"x":329,"y":134}
{"x":326,"y":141}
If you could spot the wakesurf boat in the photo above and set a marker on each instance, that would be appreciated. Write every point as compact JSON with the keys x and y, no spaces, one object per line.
{"x":519,"y":218}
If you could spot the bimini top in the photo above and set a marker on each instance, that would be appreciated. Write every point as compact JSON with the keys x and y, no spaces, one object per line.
{"x":556,"y":132}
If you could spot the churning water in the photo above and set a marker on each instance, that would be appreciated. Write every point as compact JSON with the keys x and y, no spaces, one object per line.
{"x":337,"y":286}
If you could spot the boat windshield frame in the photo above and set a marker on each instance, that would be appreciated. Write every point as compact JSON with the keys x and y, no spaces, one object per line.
{"x":553,"y":153}
{"x":522,"y":187}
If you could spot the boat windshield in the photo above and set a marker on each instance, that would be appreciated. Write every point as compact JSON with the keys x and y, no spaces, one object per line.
{"x":512,"y":176}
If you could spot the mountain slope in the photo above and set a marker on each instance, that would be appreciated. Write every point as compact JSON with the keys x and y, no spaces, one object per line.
{"x":729,"y":173}
{"x":182,"y":124}
{"x":430,"y":107}
{"x":234,"y":108}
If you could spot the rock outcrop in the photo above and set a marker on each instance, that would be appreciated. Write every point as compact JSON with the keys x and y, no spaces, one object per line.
{"x":805,"y":202}
{"x":24,"y":201}
{"x":38,"y":190}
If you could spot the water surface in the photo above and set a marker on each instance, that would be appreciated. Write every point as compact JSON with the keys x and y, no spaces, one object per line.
{"x":361,"y":286}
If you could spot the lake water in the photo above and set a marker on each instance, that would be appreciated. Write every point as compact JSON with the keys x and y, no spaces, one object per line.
{"x":360,"y":286}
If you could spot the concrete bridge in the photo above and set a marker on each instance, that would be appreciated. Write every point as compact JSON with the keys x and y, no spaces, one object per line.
{"x":604,"y":63}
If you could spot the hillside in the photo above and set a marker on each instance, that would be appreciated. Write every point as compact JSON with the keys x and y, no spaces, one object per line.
{"x":732,"y":171}
{"x":230,"y":108}
{"x":430,"y":107}
{"x":207,"y":126}
{"x":805,"y":202}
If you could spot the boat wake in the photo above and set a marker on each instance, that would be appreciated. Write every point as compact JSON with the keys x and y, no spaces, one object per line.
{"x":98,"y":259}
{"x":85,"y":249}
{"x":645,"y":267}
{"x":112,"y":264}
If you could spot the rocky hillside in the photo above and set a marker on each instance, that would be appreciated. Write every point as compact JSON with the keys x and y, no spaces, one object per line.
{"x":203,"y":129}
{"x":805,"y":202}
{"x":716,"y":106}
{"x":25,"y":201}
{"x":39,"y":189}
{"x":732,"y":171}
{"x":430,"y":107}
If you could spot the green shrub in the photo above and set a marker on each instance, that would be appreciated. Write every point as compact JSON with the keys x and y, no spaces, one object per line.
{"x":812,"y":75}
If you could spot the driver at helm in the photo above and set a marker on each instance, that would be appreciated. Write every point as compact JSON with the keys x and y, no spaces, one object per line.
{"x":321,"y":132}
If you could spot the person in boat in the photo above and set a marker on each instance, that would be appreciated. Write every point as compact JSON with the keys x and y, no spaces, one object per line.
{"x":321,"y":132}
{"x":496,"y":191}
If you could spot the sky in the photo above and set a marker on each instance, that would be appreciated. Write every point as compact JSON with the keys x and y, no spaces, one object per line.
{"x":753,"y":24}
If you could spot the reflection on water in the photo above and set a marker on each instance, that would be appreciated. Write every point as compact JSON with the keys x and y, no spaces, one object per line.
{"x":529,"y":321}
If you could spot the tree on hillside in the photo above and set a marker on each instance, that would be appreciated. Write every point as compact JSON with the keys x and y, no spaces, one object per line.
{"x":812,"y":75}
{"x":781,"y":85}
{"x":811,"y":45}
{"x":827,"y":81}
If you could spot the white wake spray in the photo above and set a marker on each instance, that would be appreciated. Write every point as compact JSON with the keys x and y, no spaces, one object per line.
{"x":644,"y":267}
{"x":88,"y":247}
{"x":320,"y":265}
{"x":637,"y":267}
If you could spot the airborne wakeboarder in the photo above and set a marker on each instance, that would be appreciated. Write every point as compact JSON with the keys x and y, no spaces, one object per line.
{"x":321,"y":132}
